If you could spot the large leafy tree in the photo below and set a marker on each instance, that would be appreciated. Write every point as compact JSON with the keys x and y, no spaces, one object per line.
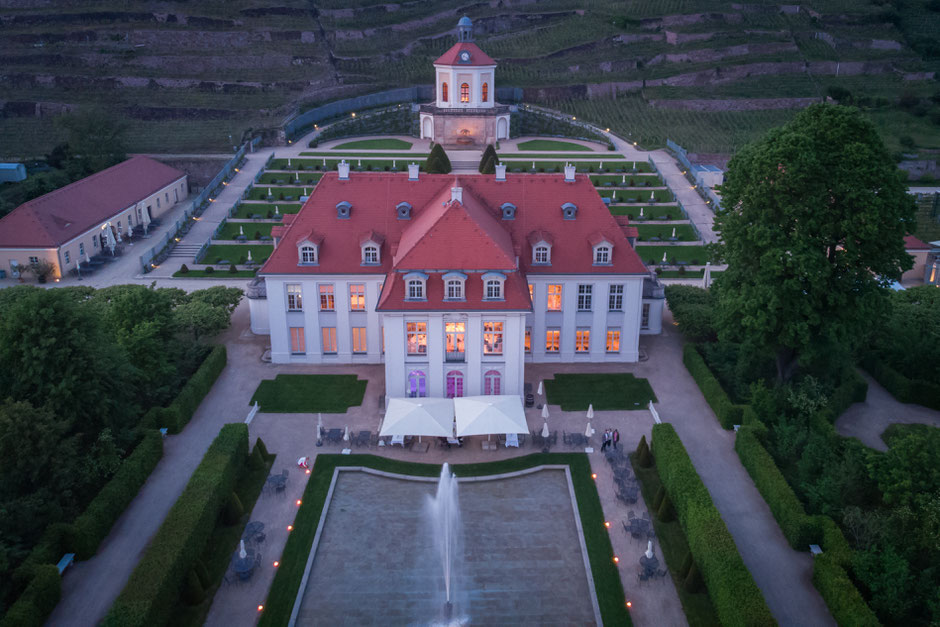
{"x":812,"y":229}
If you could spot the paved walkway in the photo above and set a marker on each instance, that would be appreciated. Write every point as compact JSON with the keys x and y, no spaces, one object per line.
{"x":867,"y":421}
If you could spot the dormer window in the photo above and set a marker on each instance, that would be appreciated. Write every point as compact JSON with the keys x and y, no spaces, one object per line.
{"x":416,"y":286}
{"x":542,"y":254}
{"x":509,"y":211}
{"x":370,"y":255}
{"x":493,"y":286}
{"x":454,"y":286}
{"x":308,"y":254}
{"x":342,"y":210}
{"x":602,"y":255}
{"x":569,"y":211}
{"x":403,"y":210}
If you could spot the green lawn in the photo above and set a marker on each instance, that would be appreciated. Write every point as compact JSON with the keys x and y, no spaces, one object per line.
{"x":332,"y":156}
{"x":223,"y":543}
{"x":518,"y":163}
{"x":675,"y":274}
{"x":694,"y":255}
{"x":636,"y":195}
{"x":304,"y":393}
{"x":237,"y":253}
{"x":288,"y":178}
{"x":655,"y":212}
{"x":574,"y":392}
{"x":697,"y":606}
{"x":388,"y":143}
{"x":684,"y":232}
{"x":627,"y":180}
{"x":287,"y":580}
{"x":248,"y":209}
{"x":400,"y":162}
{"x":221,"y":273}
{"x":552,"y":144}
{"x":253,"y":230}
{"x":260,"y":192}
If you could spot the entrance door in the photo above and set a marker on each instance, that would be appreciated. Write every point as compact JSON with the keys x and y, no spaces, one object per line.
{"x":417,"y":384}
{"x":454,"y":384}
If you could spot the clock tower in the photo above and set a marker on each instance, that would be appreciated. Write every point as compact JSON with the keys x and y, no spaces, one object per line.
{"x":464,"y":113}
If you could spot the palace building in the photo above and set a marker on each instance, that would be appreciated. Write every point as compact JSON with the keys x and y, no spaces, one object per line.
{"x":464,"y":113}
{"x":454,"y":282}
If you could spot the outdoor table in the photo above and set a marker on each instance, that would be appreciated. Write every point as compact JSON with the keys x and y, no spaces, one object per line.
{"x":399,"y":440}
{"x":454,"y":442}
{"x":278,"y":482}
{"x":649,"y":564}
{"x":334,"y":435}
{"x":254,"y":527}
{"x":512,"y":439}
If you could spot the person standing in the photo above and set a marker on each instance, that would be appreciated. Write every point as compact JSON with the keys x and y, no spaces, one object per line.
{"x":616,"y":437}
{"x":606,"y":439}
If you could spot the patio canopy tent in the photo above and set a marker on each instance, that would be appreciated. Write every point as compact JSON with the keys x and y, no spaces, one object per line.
{"x":484,"y":415}
{"x":419,"y":416}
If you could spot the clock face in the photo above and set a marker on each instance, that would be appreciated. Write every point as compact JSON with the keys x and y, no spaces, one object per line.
{"x":465,"y":56}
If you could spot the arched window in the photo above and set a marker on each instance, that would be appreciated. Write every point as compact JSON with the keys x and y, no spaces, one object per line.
{"x":602,"y":255}
{"x":542,"y":255}
{"x":494,"y":289}
{"x":370,"y":254}
{"x":308,"y":254}
{"x":464,"y":92}
{"x":415,"y":289}
{"x":491,"y":381}
{"x":454,"y":384}
{"x":486,"y":92}
{"x":443,"y":92}
{"x":417,"y":384}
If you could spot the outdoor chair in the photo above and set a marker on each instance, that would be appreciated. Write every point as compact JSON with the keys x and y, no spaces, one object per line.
{"x":642,"y":577}
{"x":554,"y":438}
{"x":521,"y":437}
{"x":363,"y":439}
{"x":662,"y":573}
{"x":565,"y":438}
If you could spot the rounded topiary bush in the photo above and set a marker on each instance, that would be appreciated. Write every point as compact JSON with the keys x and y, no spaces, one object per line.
{"x":209,"y":269}
{"x":257,"y":235}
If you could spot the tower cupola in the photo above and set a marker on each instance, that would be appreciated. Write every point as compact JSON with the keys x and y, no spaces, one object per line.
{"x":464,"y":30}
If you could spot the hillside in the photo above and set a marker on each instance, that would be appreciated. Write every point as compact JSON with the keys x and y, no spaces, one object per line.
{"x":188,"y":75}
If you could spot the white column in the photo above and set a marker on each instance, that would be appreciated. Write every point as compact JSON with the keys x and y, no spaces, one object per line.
{"x":599,"y":322}
{"x":632,"y":309}
{"x":569,"y":307}
{"x":474,"y":346}
{"x":277,"y":317}
{"x":436,"y":355}
{"x":396,"y":372}
{"x":514,"y":354}
{"x":343,"y":329}
{"x":373,"y":323}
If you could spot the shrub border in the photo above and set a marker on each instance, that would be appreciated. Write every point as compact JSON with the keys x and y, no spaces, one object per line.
{"x":177,"y":414}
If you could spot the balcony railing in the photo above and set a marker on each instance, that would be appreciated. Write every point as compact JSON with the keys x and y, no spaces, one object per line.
{"x":454,"y":356}
{"x":498,"y":109}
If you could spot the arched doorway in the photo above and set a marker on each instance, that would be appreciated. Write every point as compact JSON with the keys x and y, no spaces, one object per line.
{"x":417,"y":384}
{"x":427,"y":131}
{"x":502,"y":129}
{"x":454,"y":384}
{"x":491,"y":382}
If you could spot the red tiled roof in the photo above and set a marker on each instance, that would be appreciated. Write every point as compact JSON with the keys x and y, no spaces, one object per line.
{"x":477,"y":56}
{"x":66,"y":213}
{"x":443,"y":235}
{"x":515,"y":289}
{"x":912,"y":243}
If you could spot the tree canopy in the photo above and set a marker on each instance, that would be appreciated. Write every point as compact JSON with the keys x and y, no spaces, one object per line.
{"x":812,"y":230}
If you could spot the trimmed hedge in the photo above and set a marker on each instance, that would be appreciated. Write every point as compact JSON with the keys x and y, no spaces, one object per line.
{"x":737,"y":599}
{"x":178,"y":414}
{"x":727,"y":412}
{"x":843,"y":598}
{"x":854,"y":389}
{"x":94,"y":524}
{"x":37,"y":601}
{"x":906,"y":390}
{"x":153,"y":589}
{"x":799,"y":528}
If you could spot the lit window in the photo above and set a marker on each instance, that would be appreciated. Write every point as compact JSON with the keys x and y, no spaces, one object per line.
{"x":454,"y":333}
{"x":359,"y":339}
{"x":486,"y":92}
{"x":584,"y":297}
{"x":645,"y":318}
{"x":613,"y":340}
{"x":552,"y":340}
{"x":492,"y":338}
{"x":297,"y":344}
{"x":357,"y":297}
{"x":370,"y":255}
{"x":415,"y":289}
{"x":554,"y":297}
{"x":308,"y":254}
{"x":582,"y":340}
{"x":417,"y":338}
{"x":329,"y":340}
{"x":454,"y":289}
{"x":531,"y":292}
{"x":528,"y":339}
{"x":615,"y":298}
{"x":443,"y":92}
{"x":491,"y":382}
{"x":542,"y":254}
{"x":602,"y":255}
{"x":494,"y":289}
{"x":295,"y":299}
{"x":326,"y":298}
{"x":464,"y":92}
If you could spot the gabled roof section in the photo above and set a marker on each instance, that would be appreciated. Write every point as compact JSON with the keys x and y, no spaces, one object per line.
{"x":62,"y":215}
{"x":312,"y":236}
{"x":597,"y":237}
{"x":540,"y":235}
{"x":371,"y":236}
{"x":477,"y":56}
{"x":454,"y":234}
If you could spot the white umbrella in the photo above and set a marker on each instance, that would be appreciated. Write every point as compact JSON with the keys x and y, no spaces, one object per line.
{"x":664,"y":257}
{"x":242,"y":553}
{"x":87,"y":258}
{"x":673,"y":231}
{"x":130,"y":231}
{"x":276,"y":210}
{"x":623,"y":179}
{"x":109,"y":237}
{"x":305,"y":191}
{"x":485,"y":415}
{"x":545,"y":411}
{"x":297,"y":176}
{"x":393,"y":163}
{"x":601,"y":166}
{"x":540,"y":389}
{"x":288,"y":162}
{"x":360,"y":163}
{"x":589,"y":431}
{"x":145,"y":215}
{"x":249,"y":254}
{"x":324,"y":162}
{"x":346,"y":434}
{"x":419,"y":416}
{"x":653,"y":196}
{"x":269,"y":192}
{"x":641,"y":212}
{"x":590,"y":411}
{"x":319,"y":425}
{"x":119,"y":236}
{"x":545,"y":432}
{"x":615,"y":195}
{"x":707,"y":274}
{"x":649,"y":549}
{"x":241,"y":230}
{"x":533,"y":165}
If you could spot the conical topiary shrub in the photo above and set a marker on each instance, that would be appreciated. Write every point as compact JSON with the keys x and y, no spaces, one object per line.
{"x":666,"y":512}
{"x":686,"y":565}
{"x":488,"y":166}
{"x":643,"y":456}
{"x":438,"y":162}
{"x":193,"y":594}
{"x":658,"y":499}
{"x":234,"y":510}
{"x":488,"y":155}
{"x":693,"y":581}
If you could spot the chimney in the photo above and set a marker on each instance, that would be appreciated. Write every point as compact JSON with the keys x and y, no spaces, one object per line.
{"x":456,"y":193}
{"x":569,"y":173}
{"x":343,"y":168}
{"x":413,"y":171}
{"x":500,"y":172}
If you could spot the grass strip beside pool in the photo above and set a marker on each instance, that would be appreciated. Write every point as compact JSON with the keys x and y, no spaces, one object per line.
{"x":386,"y":143}
{"x":304,"y":393}
{"x":616,"y":390}
{"x":552,"y":144}
{"x":607,"y":584}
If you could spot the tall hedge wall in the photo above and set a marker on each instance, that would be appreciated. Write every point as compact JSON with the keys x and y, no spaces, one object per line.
{"x":842,"y":597}
{"x":727,"y":412}
{"x":42,"y":594}
{"x":178,"y":414}
{"x":154,"y":587}
{"x":926,"y":393}
{"x":799,"y":528}
{"x":94,"y":524}
{"x":737,"y":599}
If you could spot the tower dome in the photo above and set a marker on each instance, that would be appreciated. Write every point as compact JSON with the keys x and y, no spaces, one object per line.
{"x":465,"y":29}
